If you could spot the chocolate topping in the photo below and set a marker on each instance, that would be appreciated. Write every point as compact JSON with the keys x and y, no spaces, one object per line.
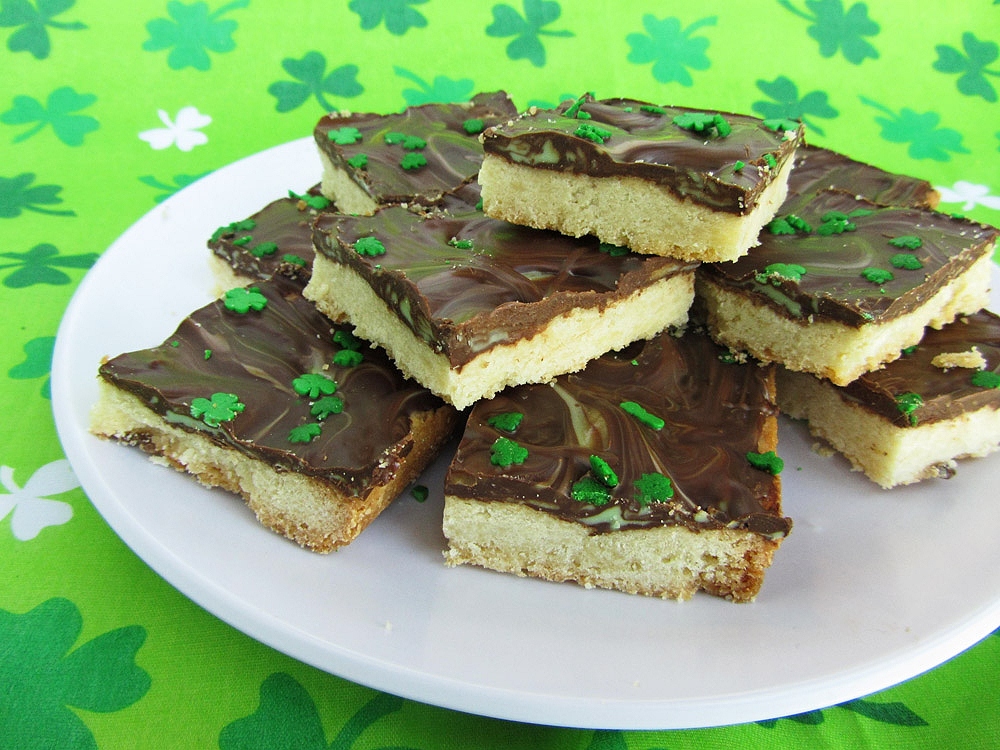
{"x":280,"y":229}
{"x":944,"y":393}
{"x":818,"y":169}
{"x":453,"y":154}
{"x":256,"y":356}
{"x":715,"y":412}
{"x":464,"y":282}
{"x":643,"y":141}
{"x":833,"y":284}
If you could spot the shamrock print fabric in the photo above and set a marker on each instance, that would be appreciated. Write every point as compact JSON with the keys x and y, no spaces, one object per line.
{"x":107,"y":109}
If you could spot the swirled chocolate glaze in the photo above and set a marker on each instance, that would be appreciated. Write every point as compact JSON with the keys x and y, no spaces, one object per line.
{"x":452,"y":153}
{"x":256,"y":356}
{"x":277,"y":235}
{"x":715,"y":412}
{"x":464,"y":282}
{"x":818,"y":169}
{"x":644,"y":142}
{"x":832,"y":285}
{"x":944,"y":393}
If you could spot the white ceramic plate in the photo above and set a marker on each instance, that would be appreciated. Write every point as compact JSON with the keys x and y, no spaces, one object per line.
{"x":871,"y":588}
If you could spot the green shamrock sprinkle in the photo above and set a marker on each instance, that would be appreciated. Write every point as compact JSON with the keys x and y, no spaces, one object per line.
{"x":473,"y":126}
{"x":317,"y":202}
{"x":305,"y":433}
{"x":615,"y":251}
{"x":242,"y":300}
{"x":507,"y":421}
{"x":768,"y":461}
{"x":346,"y":339}
{"x":700,"y":122}
{"x":358,"y":161}
{"x":504,"y":452}
{"x":790,"y":224}
{"x":314,"y":385}
{"x":835,"y":222}
{"x":592,"y":132}
{"x":264,"y":248}
{"x":603,"y":471}
{"x":244,"y":240}
{"x":419,"y":492}
{"x":738,"y":165}
{"x":175,"y":344}
{"x":652,"y":109}
{"x":348,"y":358}
{"x":295,"y":260}
{"x":908,"y":403}
{"x":653,"y":488}
{"x":877,"y":275}
{"x":770,"y":161}
{"x":780,"y":124}
{"x":909,"y":241}
{"x":986,"y":379}
{"x":344,"y":136}
{"x":409,"y":142}
{"x":775,"y":272}
{"x":574,"y":108}
{"x":369,"y":246}
{"x":907,"y":261}
{"x":907,"y":351}
{"x":324,"y":407}
{"x":413,"y":160}
{"x":635,"y":410}
{"x":460,"y":244}
{"x":589,"y":490}
{"x":246,"y":225}
{"x":208,"y":354}
{"x":221,"y":407}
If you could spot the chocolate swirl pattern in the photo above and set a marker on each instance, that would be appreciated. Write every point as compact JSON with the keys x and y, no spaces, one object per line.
{"x":725,"y":172}
{"x":464,"y":282}
{"x":715,"y":412}
{"x":833,"y":282}
{"x":452,"y":151}
{"x":256,"y":356}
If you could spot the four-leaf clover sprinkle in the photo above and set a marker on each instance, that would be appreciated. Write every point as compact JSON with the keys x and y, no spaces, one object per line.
{"x":221,"y":407}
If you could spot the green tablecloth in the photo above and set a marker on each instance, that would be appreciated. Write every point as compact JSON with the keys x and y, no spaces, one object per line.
{"x":108,"y":108}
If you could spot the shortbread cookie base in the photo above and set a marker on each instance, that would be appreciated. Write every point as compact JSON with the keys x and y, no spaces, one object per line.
{"x":338,"y":186}
{"x":889,"y":455}
{"x":225,"y":276}
{"x":566,"y":344}
{"x":669,"y":562}
{"x":628,"y":211}
{"x":308,"y":510}
{"x":831,"y":349}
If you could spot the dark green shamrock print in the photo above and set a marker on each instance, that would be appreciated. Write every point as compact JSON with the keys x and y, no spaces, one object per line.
{"x":17,"y":194}
{"x":47,"y":686}
{"x":399,"y":17}
{"x":895,"y":713}
{"x":192,"y":32}
{"x":786,"y":103}
{"x":287,"y":719}
{"x":180,"y":181}
{"x":33,"y":23}
{"x":527,"y":30}
{"x":311,"y":79}
{"x":41,"y":265}
{"x":920,"y":130}
{"x":37,"y":363}
{"x":837,"y":29}
{"x":443,"y":89}
{"x":972,"y":63}
{"x":58,"y":111}
{"x":671,"y":48}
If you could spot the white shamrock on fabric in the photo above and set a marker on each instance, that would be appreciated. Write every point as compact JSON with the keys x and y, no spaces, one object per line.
{"x":184,"y":132}
{"x":970,"y":195}
{"x":32,"y":510}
